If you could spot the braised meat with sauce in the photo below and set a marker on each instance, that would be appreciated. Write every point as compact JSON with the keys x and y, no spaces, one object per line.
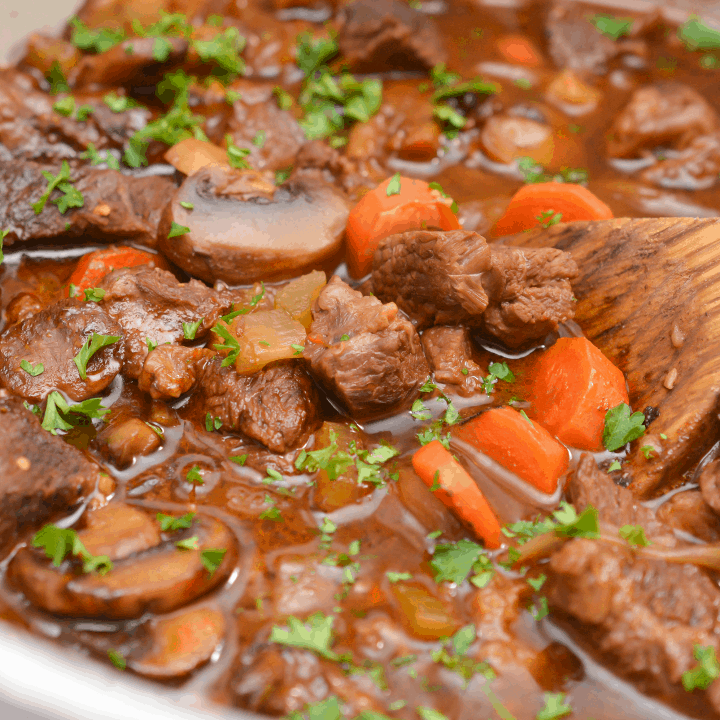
{"x":330,"y":387}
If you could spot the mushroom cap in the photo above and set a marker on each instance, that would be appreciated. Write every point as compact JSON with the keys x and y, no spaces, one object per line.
{"x":243,"y":229}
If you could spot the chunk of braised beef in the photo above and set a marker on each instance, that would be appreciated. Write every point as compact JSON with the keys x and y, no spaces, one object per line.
{"x":277,"y":406}
{"x":151,"y":306}
{"x":40,"y":474}
{"x":688,"y":512}
{"x":131,"y":62}
{"x":449,"y":352}
{"x":575,"y":43}
{"x":52,"y":338}
{"x":364,"y":351}
{"x":697,"y":167}
{"x":710,"y":485}
{"x":380,"y":34}
{"x":115,"y":206}
{"x":21,"y":307}
{"x":644,"y":616}
{"x":616,"y":505}
{"x":272,"y":135}
{"x":454,"y":277}
{"x":667,"y":114}
{"x":31,"y":130}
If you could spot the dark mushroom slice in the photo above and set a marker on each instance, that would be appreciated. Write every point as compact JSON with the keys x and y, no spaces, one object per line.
{"x":47,"y":344}
{"x":180,"y":642}
{"x":242,"y":229}
{"x":157,"y":579}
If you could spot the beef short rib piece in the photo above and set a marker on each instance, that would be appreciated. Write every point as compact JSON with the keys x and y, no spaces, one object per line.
{"x":53,"y":337}
{"x":40,"y":474}
{"x":379,"y":34}
{"x":115,"y":206}
{"x":364,"y":351}
{"x":647,"y":297}
{"x":455,"y":277}
{"x":151,"y":304}
{"x":667,"y":114}
{"x":277,"y":406}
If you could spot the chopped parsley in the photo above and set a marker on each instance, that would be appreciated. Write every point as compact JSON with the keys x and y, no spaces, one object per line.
{"x":648,"y":451}
{"x":453,"y":655}
{"x":635,"y":535}
{"x":393,"y":187}
{"x":31,"y":369}
{"x":3,"y":234}
{"x":496,"y":371}
{"x":230,"y":343}
{"x":117,"y":659}
{"x":311,"y":53}
{"x":696,"y":35}
{"x":453,"y":562}
{"x":91,"y":345}
{"x":98,"y":40}
{"x":61,"y":416}
{"x":622,"y":426}
{"x":56,"y":79}
{"x":177,"y":230}
{"x":420,"y":411}
{"x":259,"y":139}
{"x":71,"y":197}
{"x":96,"y":158}
{"x":212,"y":423}
{"x":297,"y":348}
{"x":236,"y":155}
{"x":555,"y":707}
{"x":395,"y":577}
{"x":191,"y":543}
{"x":283,"y":97}
{"x":58,"y":543}
{"x":707,"y":670}
{"x":212,"y":558}
{"x":65,"y":106}
{"x":190,"y":328}
{"x":193,"y":476}
{"x":93,"y":294}
{"x":118,"y":103}
{"x":428,"y":713}
{"x":187,"y":205}
{"x":170,"y":523}
{"x":272,"y":512}
{"x":613,"y":27}
{"x":548,"y":218}
{"x":614,"y":466}
{"x":315,"y":634}
{"x":238,"y":459}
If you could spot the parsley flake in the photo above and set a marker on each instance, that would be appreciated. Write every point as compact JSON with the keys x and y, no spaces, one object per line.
{"x":622,"y":426}
{"x":58,"y":543}
{"x":117,"y":659}
{"x":315,"y":634}
{"x":393,"y":187}
{"x":212,"y":558}
{"x":90,"y":347}
{"x":395,"y":577}
{"x":635,"y":535}
{"x":193,"y":475}
{"x":707,"y":671}
{"x":555,"y":707}
{"x":170,"y":523}
{"x":613,"y":27}
{"x":190,"y":328}
{"x":191,"y":543}
{"x":176,"y":230}
{"x":238,"y":459}
{"x":31,"y":369}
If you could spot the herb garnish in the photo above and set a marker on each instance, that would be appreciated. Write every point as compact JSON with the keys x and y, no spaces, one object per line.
{"x":61,"y":416}
{"x":704,"y":674}
{"x":190,"y":328}
{"x":212,"y":559}
{"x":31,"y":369}
{"x":71,"y":196}
{"x":170,"y":523}
{"x":90,"y":347}
{"x":314,"y":634}
{"x":58,"y":543}
{"x":622,"y":426}
{"x":555,"y":707}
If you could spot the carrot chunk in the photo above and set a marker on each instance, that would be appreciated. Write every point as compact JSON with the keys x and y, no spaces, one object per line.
{"x":452,"y":484}
{"x":518,"y":444}
{"x":394,"y":206}
{"x":94,"y":266}
{"x":573,"y":385}
{"x":518,"y":49}
{"x":543,"y":203}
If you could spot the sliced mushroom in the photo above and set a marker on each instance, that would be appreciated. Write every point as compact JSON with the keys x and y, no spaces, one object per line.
{"x":158,"y":578}
{"x":242,"y":229}
{"x":180,"y":642}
